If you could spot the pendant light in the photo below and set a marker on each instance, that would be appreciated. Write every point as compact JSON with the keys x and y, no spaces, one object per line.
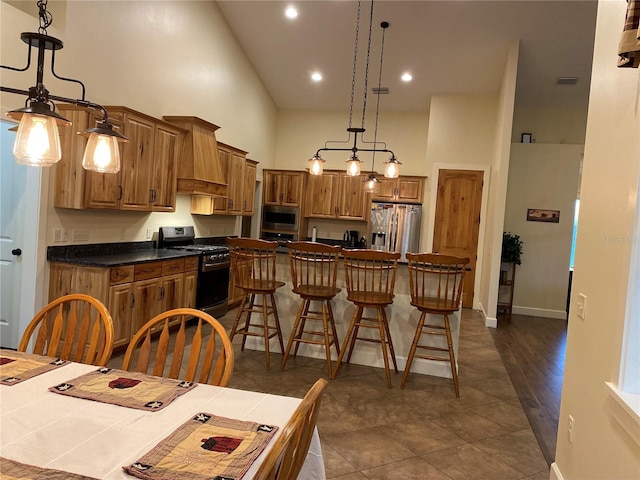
{"x":354,"y":162}
{"x":37,"y":140}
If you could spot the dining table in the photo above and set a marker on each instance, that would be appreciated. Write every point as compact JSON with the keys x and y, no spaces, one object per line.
{"x":43,"y":428}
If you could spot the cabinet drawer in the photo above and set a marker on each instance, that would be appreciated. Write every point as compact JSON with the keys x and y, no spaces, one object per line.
{"x":144,"y":271}
{"x":119,"y":275}
{"x":169,"y":267}
{"x":191,"y":263}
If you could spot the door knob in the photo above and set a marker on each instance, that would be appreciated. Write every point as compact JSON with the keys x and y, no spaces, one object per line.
{"x":16,"y":251}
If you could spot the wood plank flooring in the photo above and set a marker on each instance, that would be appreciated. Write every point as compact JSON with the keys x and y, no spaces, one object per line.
{"x":533,"y":352}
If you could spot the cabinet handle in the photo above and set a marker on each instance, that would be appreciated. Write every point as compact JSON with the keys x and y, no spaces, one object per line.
{"x":161,"y":293}
{"x":133,"y":300}
{"x":119,"y":192}
{"x":152,"y":195}
{"x":244,"y":205}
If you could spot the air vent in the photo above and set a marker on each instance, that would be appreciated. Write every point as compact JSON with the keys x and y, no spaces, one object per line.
{"x":566,"y":80}
{"x":380,"y":91}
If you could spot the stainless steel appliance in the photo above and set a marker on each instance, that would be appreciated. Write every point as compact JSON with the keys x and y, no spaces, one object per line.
{"x":281,"y":238}
{"x":213,"y":272}
{"x":395,"y":227}
{"x":275,"y":217}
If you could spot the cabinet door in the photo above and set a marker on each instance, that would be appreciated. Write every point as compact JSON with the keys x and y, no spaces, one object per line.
{"x":291,"y":187}
{"x":189,"y":292}
{"x":321,"y":195}
{"x":271,"y":187}
{"x":146,"y":302}
{"x":236,"y":182}
{"x":220,"y":204}
{"x":249,"y":189}
{"x":410,"y":189}
{"x":137,"y":163}
{"x":386,"y":189}
{"x":352,"y":197}
{"x":120,"y":308}
{"x":172,"y":292}
{"x":167,"y":147}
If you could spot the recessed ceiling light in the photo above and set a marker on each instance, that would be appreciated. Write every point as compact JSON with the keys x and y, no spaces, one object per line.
{"x":291,"y":12}
{"x":316,"y":76}
{"x":406,"y":77}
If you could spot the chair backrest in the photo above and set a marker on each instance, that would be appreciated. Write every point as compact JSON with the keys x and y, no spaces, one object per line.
{"x":74,"y":327}
{"x":284,"y":461}
{"x":253,"y":261}
{"x":206,"y":340}
{"x":370,"y":274}
{"x":314,"y":268}
{"x":436,"y":280}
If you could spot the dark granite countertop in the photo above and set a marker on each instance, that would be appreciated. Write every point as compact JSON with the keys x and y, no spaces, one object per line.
{"x":113,"y":254}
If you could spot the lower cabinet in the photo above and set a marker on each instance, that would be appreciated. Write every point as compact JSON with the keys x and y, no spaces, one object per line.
{"x":133,"y":294}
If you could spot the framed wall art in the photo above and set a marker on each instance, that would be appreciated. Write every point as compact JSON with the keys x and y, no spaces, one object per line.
{"x":539,"y":215}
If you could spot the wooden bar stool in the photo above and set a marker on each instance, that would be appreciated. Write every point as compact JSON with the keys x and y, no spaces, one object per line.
{"x":435,"y":282}
{"x":254,"y":263}
{"x":371,"y":277}
{"x":314,"y":269}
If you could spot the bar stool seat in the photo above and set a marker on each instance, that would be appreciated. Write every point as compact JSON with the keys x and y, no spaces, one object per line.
{"x":435,"y":282}
{"x":314,"y":268}
{"x":370,"y":277}
{"x":254,"y":264}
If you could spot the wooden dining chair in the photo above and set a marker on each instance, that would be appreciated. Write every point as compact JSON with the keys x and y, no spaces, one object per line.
{"x":435,"y":282}
{"x":284,"y":461}
{"x":314,"y":270}
{"x":254,"y":265}
{"x":197,"y":353}
{"x":74,"y":327}
{"x":371,"y":277}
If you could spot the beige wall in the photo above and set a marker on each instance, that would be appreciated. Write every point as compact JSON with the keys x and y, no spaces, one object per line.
{"x":601,"y":448}
{"x":550,"y":125}
{"x":542,"y":176}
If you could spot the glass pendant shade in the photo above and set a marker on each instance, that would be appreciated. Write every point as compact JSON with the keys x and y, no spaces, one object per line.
{"x":315,"y":165}
{"x":101,"y":154}
{"x":371,"y":185}
{"x":37,"y":140}
{"x":353,"y":166}
{"x":392,"y":167}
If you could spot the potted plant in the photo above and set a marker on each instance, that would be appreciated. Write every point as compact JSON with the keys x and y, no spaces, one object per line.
{"x":511,"y":248}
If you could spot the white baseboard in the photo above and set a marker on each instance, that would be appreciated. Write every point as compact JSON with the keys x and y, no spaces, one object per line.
{"x":489,"y":322}
{"x":554,"y":472}
{"x":540,"y":312}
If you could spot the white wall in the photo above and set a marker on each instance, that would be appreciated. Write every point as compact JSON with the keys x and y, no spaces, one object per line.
{"x":601,"y":448}
{"x":542,"y":176}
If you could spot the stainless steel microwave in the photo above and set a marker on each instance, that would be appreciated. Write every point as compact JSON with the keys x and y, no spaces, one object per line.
{"x":275,"y":217}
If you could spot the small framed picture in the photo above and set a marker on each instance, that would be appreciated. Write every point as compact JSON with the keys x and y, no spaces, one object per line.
{"x":525,"y":138}
{"x":539,"y":215}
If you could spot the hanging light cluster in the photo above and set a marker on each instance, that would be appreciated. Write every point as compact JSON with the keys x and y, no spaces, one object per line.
{"x":37,"y":138}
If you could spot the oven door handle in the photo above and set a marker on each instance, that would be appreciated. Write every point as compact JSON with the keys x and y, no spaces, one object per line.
{"x":209,"y":267}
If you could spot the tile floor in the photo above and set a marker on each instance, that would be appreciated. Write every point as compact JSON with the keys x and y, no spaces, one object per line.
{"x":422,"y":432}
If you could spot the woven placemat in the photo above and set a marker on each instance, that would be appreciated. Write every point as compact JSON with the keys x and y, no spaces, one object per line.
{"x":12,"y":470}
{"x":127,"y":389}
{"x":16,"y":367}
{"x":206,"y":447}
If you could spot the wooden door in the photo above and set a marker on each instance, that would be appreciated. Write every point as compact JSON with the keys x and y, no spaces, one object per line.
{"x":249,"y":188}
{"x":221,"y":204}
{"x":321,"y":192}
{"x":190,"y":286}
{"x":457,"y":220}
{"x":120,"y":308}
{"x":352,"y":197}
{"x":271,"y":187}
{"x":167,"y":148}
{"x":137,"y":163}
{"x":236,"y":182}
{"x":146,"y":302}
{"x":291,"y":188}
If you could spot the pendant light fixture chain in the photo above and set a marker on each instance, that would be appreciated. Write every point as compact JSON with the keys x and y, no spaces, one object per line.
{"x":44,"y":16}
{"x":366,"y":70}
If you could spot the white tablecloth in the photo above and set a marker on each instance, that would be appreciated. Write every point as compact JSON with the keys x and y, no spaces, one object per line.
{"x":45,"y":429}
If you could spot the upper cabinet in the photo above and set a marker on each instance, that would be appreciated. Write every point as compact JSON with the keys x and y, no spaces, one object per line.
{"x":283,"y":187}
{"x":336,"y":195}
{"x":147,"y":177}
{"x":240,"y":177}
{"x":201,"y":171}
{"x":404,"y":189}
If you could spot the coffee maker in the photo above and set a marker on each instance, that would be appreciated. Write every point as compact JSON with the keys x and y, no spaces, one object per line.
{"x":352,"y":239}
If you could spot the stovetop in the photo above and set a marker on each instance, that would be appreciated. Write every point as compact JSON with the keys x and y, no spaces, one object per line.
{"x":207,"y":249}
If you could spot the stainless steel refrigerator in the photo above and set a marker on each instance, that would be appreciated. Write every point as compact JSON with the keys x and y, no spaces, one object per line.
{"x":395,"y":227}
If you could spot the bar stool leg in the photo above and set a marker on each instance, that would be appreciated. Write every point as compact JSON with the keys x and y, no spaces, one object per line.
{"x":327,"y":344}
{"x":296,"y":333}
{"x":414,"y":346}
{"x":234,"y":327}
{"x":249,"y":311}
{"x":383,"y":344}
{"x":277,"y":319}
{"x":389,"y":339}
{"x":354,"y":337}
{"x":452,"y":357}
{"x":265,"y":324}
{"x":352,"y":325}
{"x":333,"y":328}
{"x":303,"y":322}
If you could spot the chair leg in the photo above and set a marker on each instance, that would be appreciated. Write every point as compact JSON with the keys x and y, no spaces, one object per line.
{"x":296,"y":332}
{"x":383,"y":344}
{"x":354,"y":337}
{"x":327,"y":344}
{"x":333,"y":328}
{"x":352,"y":325}
{"x":252,"y":300}
{"x":234,"y":327}
{"x":389,"y":339}
{"x":452,"y":356}
{"x":412,"y":351}
{"x":303,"y":323}
{"x":274,"y":308}
{"x":265,"y":325}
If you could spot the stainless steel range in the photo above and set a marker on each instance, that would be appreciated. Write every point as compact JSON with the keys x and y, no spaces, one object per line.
{"x":213,"y":273}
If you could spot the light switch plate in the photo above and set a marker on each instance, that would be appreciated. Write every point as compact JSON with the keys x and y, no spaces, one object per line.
{"x":581,"y":306}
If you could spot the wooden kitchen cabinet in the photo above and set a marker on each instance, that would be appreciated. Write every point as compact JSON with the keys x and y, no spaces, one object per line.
{"x":133,"y":294}
{"x":283,"y":187}
{"x":404,"y":189}
{"x":249,"y":189}
{"x":336,"y":195}
{"x":148,"y":164}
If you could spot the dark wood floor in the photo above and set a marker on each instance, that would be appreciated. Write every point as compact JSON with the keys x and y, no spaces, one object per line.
{"x":533,"y":351}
